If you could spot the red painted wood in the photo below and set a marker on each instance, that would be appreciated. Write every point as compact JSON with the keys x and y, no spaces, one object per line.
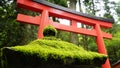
{"x":74,"y":29}
{"x":28,"y":19}
{"x":101,"y":45}
{"x":35,"y":21}
{"x":43,"y":23}
{"x":73,"y":23}
{"x":29,"y":4}
{"x":107,"y":35}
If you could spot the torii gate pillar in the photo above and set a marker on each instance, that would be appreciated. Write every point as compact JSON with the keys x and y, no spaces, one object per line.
{"x":101,"y":45}
{"x":43,"y":22}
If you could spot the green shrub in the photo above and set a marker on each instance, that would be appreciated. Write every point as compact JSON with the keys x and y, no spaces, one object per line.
{"x":49,"y":31}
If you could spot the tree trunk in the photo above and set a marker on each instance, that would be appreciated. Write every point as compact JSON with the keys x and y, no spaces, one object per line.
{"x":73,"y":36}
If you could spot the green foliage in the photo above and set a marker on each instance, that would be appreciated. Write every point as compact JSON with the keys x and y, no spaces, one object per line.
{"x":63,"y":35}
{"x":8,"y":25}
{"x":7,"y":8}
{"x":108,"y":16}
{"x":90,"y":7}
{"x":59,"y":2}
{"x":11,"y":32}
{"x":118,"y":10}
{"x":49,"y":31}
{"x":8,"y":32}
{"x":113,"y":47}
{"x":59,"y":50}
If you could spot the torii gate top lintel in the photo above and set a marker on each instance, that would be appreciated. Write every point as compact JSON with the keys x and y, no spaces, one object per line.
{"x":73,"y":11}
{"x":48,"y":9}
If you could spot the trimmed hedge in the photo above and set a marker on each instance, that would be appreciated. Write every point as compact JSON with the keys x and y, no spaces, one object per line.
{"x":59,"y":51}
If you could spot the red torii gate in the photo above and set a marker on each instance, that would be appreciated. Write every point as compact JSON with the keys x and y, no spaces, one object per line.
{"x":48,"y":9}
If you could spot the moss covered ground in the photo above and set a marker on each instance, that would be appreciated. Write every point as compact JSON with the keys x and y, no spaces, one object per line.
{"x":64,"y":52}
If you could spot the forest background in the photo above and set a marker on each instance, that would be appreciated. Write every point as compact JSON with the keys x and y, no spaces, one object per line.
{"x":13,"y":33}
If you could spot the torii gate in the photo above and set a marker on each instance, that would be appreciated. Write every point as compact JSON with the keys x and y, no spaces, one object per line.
{"x":48,"y":9}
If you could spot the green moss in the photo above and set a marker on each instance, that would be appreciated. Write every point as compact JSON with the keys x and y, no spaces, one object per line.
{"x":49,"y":31}
{"x":59,"y":50}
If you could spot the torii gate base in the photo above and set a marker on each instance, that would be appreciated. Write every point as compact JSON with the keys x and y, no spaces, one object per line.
{"x":47,"y":10}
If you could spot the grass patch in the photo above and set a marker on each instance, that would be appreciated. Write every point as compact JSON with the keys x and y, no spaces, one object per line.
{"x":64,"y":52}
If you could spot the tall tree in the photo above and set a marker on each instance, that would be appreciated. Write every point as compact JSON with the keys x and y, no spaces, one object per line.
{"x":108,"y":8}
{"x":118,"y":10}
{"x":90,"y":6}
{"x":89,"y":9}
{"x":73,"y":36}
